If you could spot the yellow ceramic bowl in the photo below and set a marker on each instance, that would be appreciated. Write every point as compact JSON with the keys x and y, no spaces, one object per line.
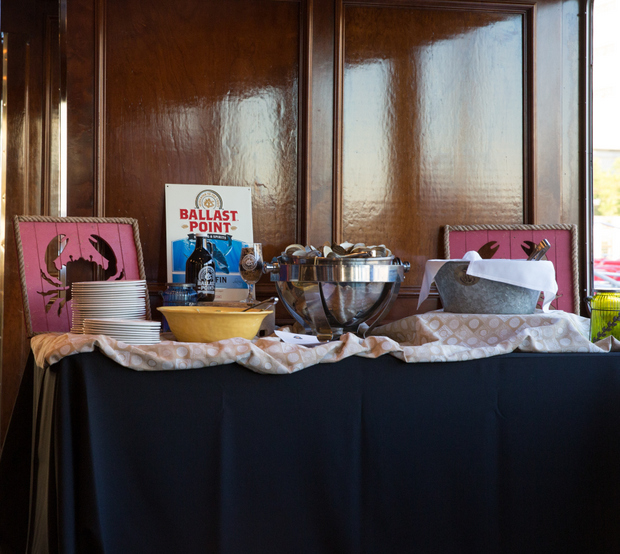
{"x":212,"y":323}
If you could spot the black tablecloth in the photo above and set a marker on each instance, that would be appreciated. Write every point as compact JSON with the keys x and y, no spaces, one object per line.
{"x":511,"y":454}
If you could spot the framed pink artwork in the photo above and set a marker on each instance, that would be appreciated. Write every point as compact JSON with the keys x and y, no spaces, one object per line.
{"x":53,"y":253}
{"x":515,"y":242}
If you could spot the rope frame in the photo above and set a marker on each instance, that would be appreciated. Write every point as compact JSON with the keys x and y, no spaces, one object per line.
{"x":546,"y":227}
{"x":50,"y":219}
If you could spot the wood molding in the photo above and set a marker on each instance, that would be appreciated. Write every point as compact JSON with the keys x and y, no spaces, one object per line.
{"x":338,"y":123}
{"x":100,"y":109}
{"x":530,"y":144}
{"x":50,"y":120}
{"x":306,"y":27}
{"x":321,"y":122}
{"x":79,"y":50}
{"x":466,"y":5}
{"x":46,"y":123}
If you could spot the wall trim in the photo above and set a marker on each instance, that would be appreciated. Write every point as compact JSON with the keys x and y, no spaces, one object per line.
{"x":100,"y":109}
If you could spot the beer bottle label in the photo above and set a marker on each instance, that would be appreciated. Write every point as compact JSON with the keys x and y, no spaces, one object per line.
{"x":211,"y":278}
{"x":206,"y":279}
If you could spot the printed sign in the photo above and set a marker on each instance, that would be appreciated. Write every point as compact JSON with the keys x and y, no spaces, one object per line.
{"x":225,"y":213}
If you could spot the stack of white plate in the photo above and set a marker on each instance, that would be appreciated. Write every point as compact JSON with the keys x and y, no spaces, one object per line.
{"x":107,"y":299}
{"x":129,"y":331}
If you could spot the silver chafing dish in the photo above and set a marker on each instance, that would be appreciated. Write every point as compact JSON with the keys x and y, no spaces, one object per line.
{"x":330,"y":296}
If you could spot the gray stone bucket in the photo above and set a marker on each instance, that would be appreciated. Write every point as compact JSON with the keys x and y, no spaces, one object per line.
{"x":464,"y":294}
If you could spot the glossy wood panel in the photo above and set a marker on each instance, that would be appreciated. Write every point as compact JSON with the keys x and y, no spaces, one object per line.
{"x":50,"y":132}
{"x":433,"y":125}
{"x":320,"y":105}
{"x":204,"y":93}
{"x":31,"y":166}
{"x":156,"y":93}
{"x":558,"y":100}
{"x":14,"y":342}
{"x":81,"y":95}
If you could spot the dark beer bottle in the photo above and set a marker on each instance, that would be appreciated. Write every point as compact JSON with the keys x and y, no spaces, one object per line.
{"x":200,"y":269}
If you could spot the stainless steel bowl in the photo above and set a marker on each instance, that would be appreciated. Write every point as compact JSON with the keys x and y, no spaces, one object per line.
{"x":332,"y":296}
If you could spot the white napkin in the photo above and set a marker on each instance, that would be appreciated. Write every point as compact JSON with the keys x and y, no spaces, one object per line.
{"x":538,"y":275}
{"x":295,"y":338}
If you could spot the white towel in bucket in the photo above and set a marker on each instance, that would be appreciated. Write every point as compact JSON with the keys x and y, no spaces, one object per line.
{"x":533,"y":275}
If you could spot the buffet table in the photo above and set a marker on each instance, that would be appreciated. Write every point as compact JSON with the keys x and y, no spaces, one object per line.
{"x":504,"y":454}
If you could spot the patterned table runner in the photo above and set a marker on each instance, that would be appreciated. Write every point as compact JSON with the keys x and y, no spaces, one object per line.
{"x":430,"y":337}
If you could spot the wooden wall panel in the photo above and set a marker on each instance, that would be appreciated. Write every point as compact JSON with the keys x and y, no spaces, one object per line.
{"x":14,"y":342}
{"x":202,"y":93}
{"x":373,"y":120}
{"x":321,"y":25}
{"x":81,"y":94}
{"x":433,"y":121}
{"x":558,"y":99}
{"x":30,"y":165}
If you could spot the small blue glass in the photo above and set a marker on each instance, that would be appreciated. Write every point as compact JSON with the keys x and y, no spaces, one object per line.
{"x":178,"y":294}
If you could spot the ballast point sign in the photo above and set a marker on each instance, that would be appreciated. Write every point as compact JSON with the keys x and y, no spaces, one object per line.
{"x":209,"y":221}
{"x":225,"y":213}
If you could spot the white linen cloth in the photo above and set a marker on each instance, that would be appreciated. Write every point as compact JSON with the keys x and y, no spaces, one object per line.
{"x":431,"y":337}
{"x":538,"y":275}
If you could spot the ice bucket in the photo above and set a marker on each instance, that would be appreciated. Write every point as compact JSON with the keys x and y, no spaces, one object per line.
{"x":462,"y":293}
{"x":332,"y":296}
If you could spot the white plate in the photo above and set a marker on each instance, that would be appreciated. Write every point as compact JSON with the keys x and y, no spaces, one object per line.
{"x":98,"y":284}
{"x":104,"y":296}
{"x":95,"y":309}
{"x":109,"y":290}
{"x":108,"y":308}
{"x":139,"y":342}
{"x":123,"y":336}
{"x":121,"y":333}
{"x":80,"y":318}
{"x":133,"y":339}
{"x":119,"y":321}
{"x":122,"y":329}
{"x":107,"y":301}
{"x":91,"y":307}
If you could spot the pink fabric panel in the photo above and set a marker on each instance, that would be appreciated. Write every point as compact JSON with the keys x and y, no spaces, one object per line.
{"x":35,"y":239}
{"x":562,"y":260}
{"x":511,"y":247}
{"x":462,"y":242}
{"x":82,"y":247}
{"x":517,"y":239}
{"x":474,"y":240}
{"x":502,"y":238}
{"x":457,"y":244}
{"x":121,"y":240}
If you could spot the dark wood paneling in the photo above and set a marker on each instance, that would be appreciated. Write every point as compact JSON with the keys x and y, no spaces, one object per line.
{"x":14,"y":342}
{"x":30,"y":164}
{"x":557,"y":111}
{"x":450,"y":112}
{"x":321,"y":122}
{"x":81,"y":94}
{"x":204,"y":93}
{"x":50,"y":131}
{"x":433,"y":122}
